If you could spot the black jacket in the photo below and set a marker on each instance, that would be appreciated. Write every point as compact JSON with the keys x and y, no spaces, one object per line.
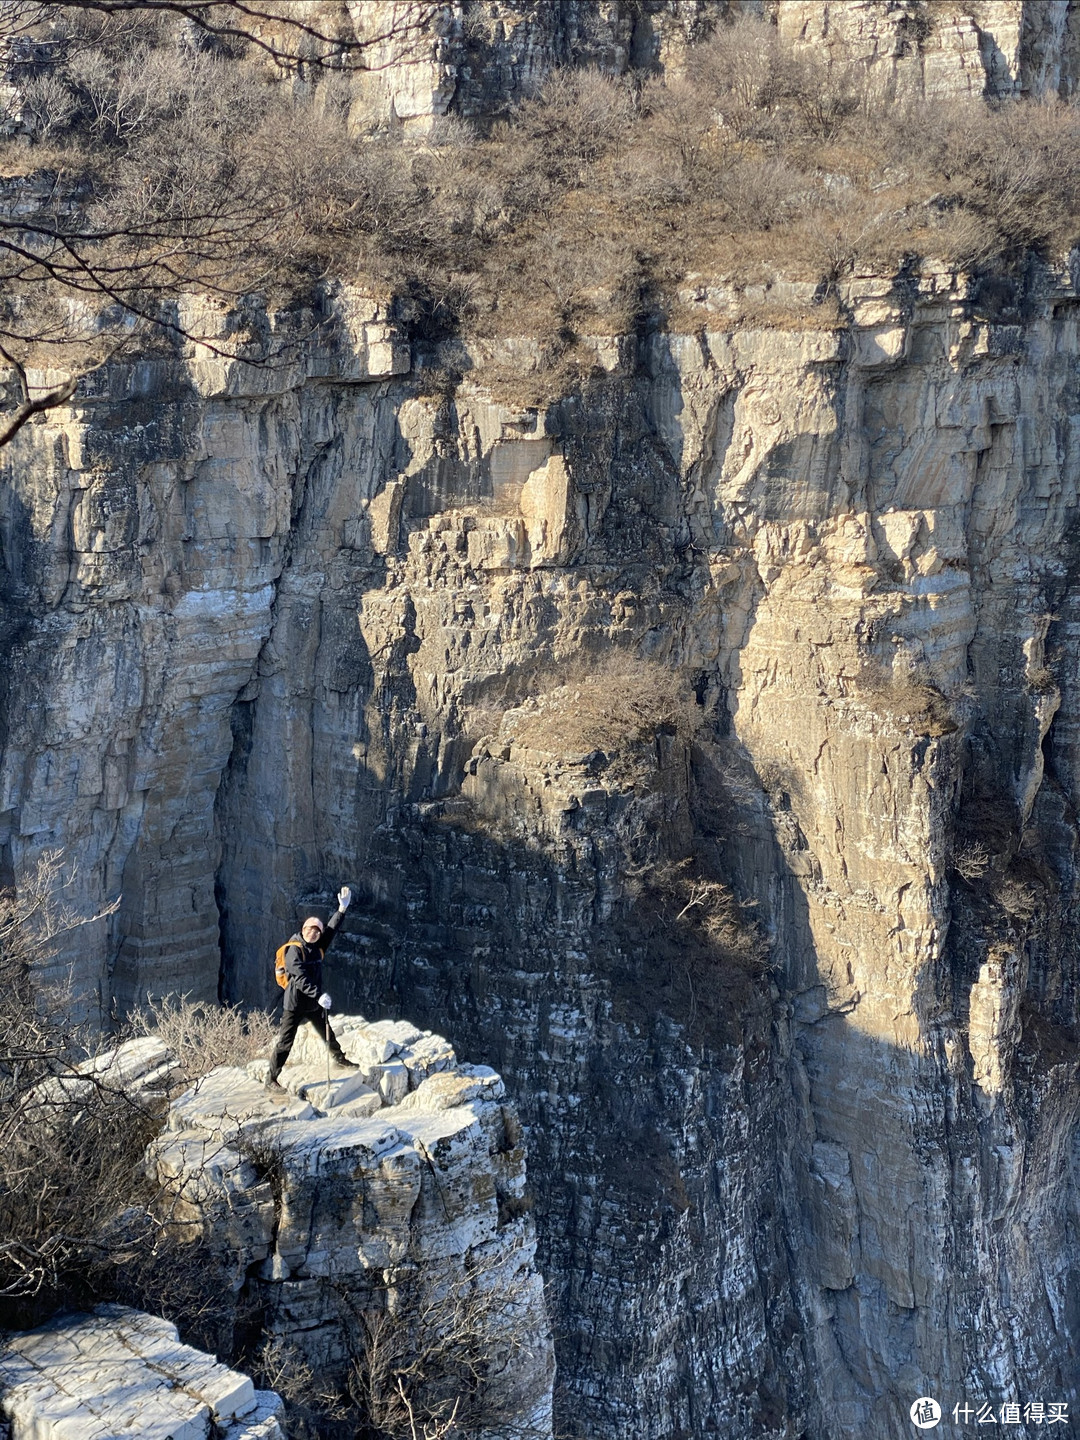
{"x":303,"y":964}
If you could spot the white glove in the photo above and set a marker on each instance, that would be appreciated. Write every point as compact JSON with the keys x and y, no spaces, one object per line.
{"x":344,"y":897}
{"x":325,"y":1001}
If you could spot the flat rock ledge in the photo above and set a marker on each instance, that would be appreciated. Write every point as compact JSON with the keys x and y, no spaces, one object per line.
{"x":118,"y":1373}
{"x":400,"y":1179}
{"x":376,"y":1191}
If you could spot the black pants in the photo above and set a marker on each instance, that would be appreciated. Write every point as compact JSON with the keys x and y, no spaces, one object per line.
{"x":302,"y":1008}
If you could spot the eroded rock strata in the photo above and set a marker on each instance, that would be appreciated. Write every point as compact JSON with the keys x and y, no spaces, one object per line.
{"x":703,"y":744}
{"x":351,"y":1224}
{"x":351,"y":628}
{"x":476,"y":58}
{"x":390,"y":1196}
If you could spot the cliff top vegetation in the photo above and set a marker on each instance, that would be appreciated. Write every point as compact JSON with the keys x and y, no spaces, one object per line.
{"x":151,"y":156}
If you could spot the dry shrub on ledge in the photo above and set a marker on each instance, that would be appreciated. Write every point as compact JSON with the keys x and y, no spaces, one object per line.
{"x":202,"y":1036}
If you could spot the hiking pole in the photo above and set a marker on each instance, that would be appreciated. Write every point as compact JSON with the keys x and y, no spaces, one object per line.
{"x":325,"y":1002}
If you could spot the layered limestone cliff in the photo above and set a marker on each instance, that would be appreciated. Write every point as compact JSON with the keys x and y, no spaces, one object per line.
{"x":704,"y":747}
{"x":282,"y":627}
{"x":371,"y":1223}
{"x":385,"y":1206}
{"x":984,"y":47}
{"x":476,"y":58}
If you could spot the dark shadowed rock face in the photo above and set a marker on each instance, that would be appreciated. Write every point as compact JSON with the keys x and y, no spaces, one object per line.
{"x":703,"y":749}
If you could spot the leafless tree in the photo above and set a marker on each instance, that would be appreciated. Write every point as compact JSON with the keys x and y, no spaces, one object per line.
{"x":80,"y":1219}
{"x":178,"y":172}
{"x":444,"y":1358}
{"x":287,"y":38}
{"x":58,"y":1162}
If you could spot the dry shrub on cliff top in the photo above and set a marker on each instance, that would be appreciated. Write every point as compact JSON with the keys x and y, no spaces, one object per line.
{"x":79,"y":1220}
{"x":202,"y":1036}
{"x":70,"y":1149}
{"x":152,"y":160}
{"x":908,"y":697}
{"x":578,"y":116}
{"x":1012,"y":173}
{"x":614,"y":704}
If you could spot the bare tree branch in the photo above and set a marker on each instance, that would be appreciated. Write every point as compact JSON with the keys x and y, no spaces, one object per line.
{"x":178,"y":171}
{"x":237,"y":20}
{"x":30,"y":408}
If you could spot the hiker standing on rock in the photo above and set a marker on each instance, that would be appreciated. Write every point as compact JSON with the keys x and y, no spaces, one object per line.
{"x":299,"y":970}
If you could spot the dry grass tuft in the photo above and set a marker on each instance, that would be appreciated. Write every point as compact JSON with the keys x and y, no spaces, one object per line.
{"x":907,"y":698}
{"x":618,"y":706}
{"x":202,"y":1036}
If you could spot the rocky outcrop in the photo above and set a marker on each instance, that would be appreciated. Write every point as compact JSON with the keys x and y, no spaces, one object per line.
{"x":119,"y":1373}
{"x":704,"y":749}
{"x":476,"y":59}
{"x":424,"y":61}
{"x":988,"y":47}
{"x":141,"y":1070}
{"x":391,"y":1197}
{"x":368,"y":1218}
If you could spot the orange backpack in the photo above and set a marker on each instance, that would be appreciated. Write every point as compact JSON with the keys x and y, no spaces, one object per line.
{"x":279,"y":964}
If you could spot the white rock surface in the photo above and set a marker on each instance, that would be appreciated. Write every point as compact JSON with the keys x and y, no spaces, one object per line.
{"x":119,"y":1373}
{"x":350,"y":1192}
{"x":141,"y":1069}
{"x":391,"y":1054}
{"x":362,"y":1191}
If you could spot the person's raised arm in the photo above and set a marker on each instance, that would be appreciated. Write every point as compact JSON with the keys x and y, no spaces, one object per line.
{"x":344,"y":900}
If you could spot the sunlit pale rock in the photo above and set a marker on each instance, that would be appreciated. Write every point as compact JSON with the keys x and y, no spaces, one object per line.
{"x":330,"y":1203}
{"x":119,"y":1373}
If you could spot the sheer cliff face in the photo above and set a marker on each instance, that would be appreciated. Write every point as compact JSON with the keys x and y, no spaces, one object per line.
{"x":476,"y":58}
{"x":791,"y":611}
{"x":764,"y":641}
{"x":992,"y":47}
